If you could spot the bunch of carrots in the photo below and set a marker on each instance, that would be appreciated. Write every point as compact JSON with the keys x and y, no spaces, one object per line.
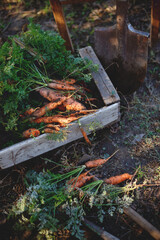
{"x":60,"y":95}
{"x":83,"y":178}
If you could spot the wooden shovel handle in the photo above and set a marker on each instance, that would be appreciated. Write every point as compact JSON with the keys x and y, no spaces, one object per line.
{"x":121,"y":13}
{"x":154,"y":232}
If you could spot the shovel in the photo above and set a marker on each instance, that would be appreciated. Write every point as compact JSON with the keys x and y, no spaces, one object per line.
{"x":123,"y":51}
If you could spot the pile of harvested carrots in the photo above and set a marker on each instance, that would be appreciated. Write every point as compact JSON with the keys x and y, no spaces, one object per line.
{"x":83,"y":178}
{"x":60,"y":95}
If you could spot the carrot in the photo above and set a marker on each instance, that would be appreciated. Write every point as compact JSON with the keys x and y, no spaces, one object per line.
{"x":82,"y":181}
{"x":50,"y":94}
{"x":29,"y":111}
{"x":57,"y":118}
{"x":48,"y":107}
{"x":72,"y":104}
{"x":76,"y":179}
{"x":55,"y":127}
{"x":85,"y":136}
{"x":95,"y":163}
{"x":68,"y":81}
{"x":98,"y":162}
{"x":62,"y":86}
{"x":31,"y":132}
{"x":118,"y":179}
{"x":50,"y":130}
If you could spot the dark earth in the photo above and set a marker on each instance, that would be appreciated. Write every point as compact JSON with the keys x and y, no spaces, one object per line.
{"x":136,"y":135}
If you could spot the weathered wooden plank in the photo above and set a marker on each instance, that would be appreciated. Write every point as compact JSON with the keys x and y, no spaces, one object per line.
{"x":102,"y":80}
{"x":30,"y":148}
{"x":99,"y":231}
{"x":154,"y":232}
{"x":155,"y":21}
{"x":64,"y":2}
{"x":61,"y":23}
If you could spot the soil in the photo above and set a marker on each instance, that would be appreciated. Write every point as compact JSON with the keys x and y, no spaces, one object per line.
{"x":136,"y":135}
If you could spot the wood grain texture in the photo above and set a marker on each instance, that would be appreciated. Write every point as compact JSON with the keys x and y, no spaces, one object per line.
{"x":102,"y":80}
{"x":61,"y":23}
{"x":99,"y":231}
{"x":154,"y":232}
{"x":155,"y":21}
{"x":30,"y":148}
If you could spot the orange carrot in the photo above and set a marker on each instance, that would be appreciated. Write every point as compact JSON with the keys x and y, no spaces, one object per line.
{"x":50,"y":94}
{"x":55,"y":127}
{"x":98,"y":162}
{"x":48,"y":107}
{"x":82,"y":181}
{"x":95,"y":163}
{"x":29,"y":111}
{"x":72,"y":104}
{"x":70,"y":81}
{"x":76,"y":179}
{"x":49,"y":130}
{"x":85,"y":136}
{"x":62,"y":86}
{"x":67,"y":81}
{"x":118,"y":179}
{"x":31,"y":132}
{"x":57,"y":118}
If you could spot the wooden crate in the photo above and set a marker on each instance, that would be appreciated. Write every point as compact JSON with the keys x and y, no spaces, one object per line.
{"x":104,"y":116}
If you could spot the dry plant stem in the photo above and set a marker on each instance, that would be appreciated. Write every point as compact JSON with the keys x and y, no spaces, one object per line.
{"x":154,"y":232}
{"x":29,"y":49}
{"x":103,"y":234}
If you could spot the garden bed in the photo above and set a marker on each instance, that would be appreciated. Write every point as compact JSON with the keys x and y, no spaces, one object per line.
{"x":104,"y":116}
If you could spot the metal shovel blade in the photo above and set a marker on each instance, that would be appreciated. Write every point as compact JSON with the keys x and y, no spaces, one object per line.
{"x":123,"y":51}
